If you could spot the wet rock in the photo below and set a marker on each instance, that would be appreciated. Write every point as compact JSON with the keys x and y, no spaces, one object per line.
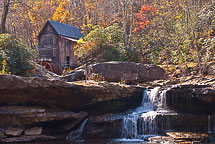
{"x":21,"y":116}
{"x":33,"y":131}
{"x":198,"y":99}
{"x":104,"y":126}
{"x":161,"y":139}
{"x":70,"y":125}
{"x":2,"y":135}
{"x":155,"y":123}
{"x":28,"y":139}
{"x":171,"y":140}
{"x":75,"y":75}
{"x":189,"y":136}
{"x":170,"y":121}
{"x":94,"y":96}
{"x":13,"y":131}
{"x":125,"y":71}
{"x":77,"y":134}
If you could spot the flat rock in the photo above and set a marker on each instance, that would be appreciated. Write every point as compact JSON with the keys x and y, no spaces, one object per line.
{"x":33,"y":131}
{"x":188,"y":136}
{"x":22,"y":116}
{"x":77,"y":96}
{"x":13,"y":131}
{"x":161,"y":139}
{"x":170,"y":140}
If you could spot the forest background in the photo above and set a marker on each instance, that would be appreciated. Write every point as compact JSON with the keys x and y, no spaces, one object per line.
{"x":166,"y":32}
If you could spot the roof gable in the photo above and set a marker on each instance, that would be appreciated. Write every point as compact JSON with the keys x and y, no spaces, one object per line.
{"x":65,"y":30}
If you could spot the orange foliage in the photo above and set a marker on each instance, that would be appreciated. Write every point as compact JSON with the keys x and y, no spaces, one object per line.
{"x":142,"y":17}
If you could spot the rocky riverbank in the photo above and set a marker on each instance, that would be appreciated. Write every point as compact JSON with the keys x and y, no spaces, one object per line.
{"x":80,"y":95}
{"x":184,"y":108}
{"x":33,"y":109}
{"x":49,"y":108}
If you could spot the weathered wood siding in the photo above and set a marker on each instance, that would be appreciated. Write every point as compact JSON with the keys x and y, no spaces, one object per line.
{"x":66,"y":49}
{"x":48,"y":48}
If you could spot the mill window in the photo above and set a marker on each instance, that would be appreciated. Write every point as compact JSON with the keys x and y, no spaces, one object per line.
{"x":54,"y":53}
{"x":68,"y":61}
{"x":54,"y":40}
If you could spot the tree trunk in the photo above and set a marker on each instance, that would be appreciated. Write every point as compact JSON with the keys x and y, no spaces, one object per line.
{"x":124,"y":11}
{"x":6,"y":4}
{"x":131,"y":20}
{"x":195,"y":44}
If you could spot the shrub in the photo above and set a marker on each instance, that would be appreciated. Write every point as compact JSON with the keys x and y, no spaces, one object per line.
{"x":16,"y":55}
{"x":104,"y":44}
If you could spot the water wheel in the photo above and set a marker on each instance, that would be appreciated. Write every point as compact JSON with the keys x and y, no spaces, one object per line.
{"x":50,"y":67}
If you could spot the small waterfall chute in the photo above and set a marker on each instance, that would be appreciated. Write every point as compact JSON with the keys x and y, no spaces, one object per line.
{"x":133,"y":124}
{"x":74,"y":135}
{"x":150,"y":124}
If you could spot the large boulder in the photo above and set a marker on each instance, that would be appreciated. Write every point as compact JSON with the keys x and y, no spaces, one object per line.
{"x":128,"y":72}
{"x":94,"y":97}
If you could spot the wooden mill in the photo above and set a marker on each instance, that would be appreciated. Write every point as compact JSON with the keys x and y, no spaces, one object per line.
{"x":56,"y":45}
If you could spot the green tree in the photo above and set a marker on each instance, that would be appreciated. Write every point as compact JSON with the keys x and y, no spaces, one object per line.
{"x":16,"y":55}
{"x":105,"y":44}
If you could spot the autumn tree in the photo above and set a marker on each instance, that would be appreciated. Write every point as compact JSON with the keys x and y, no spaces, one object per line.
{"x":104,"y":44}
{"x":6,"y":5}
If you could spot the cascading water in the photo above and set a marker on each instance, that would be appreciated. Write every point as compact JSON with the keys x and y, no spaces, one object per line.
{"x":74,"y":135}
{"x":140,"y":122}
{"x":144,"y":120}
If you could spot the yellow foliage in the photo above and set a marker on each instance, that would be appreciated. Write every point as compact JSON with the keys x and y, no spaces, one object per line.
{"x":192,"y":64}
{"x":96,"y":77}
{"x":179,"y":16}
{"x":4,"y":70}
{"x":62,"y":14}
{"x":168,"y":68}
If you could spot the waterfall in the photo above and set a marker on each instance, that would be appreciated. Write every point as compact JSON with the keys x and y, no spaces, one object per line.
{"x":150,"y":123}
{"x":146,"y":119}
{"x":147,"y":102}
{"x":211,"y":124}
{"x":162,"y":99}
{"x":74,"y":135}
{"x":142,"y":121}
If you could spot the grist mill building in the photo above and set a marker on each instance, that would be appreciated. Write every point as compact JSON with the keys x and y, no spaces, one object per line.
{"x":56,"y":45}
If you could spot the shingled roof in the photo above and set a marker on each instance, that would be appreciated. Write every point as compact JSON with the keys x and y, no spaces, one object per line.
{"x":66,"y":30}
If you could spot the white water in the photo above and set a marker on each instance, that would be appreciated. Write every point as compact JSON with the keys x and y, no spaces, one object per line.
{"x":211,"y":124}
{"x":74,"y":135}
{"x":142,"y":121}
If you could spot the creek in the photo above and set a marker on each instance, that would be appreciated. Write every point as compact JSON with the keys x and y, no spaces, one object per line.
{"x":154,"y":118}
